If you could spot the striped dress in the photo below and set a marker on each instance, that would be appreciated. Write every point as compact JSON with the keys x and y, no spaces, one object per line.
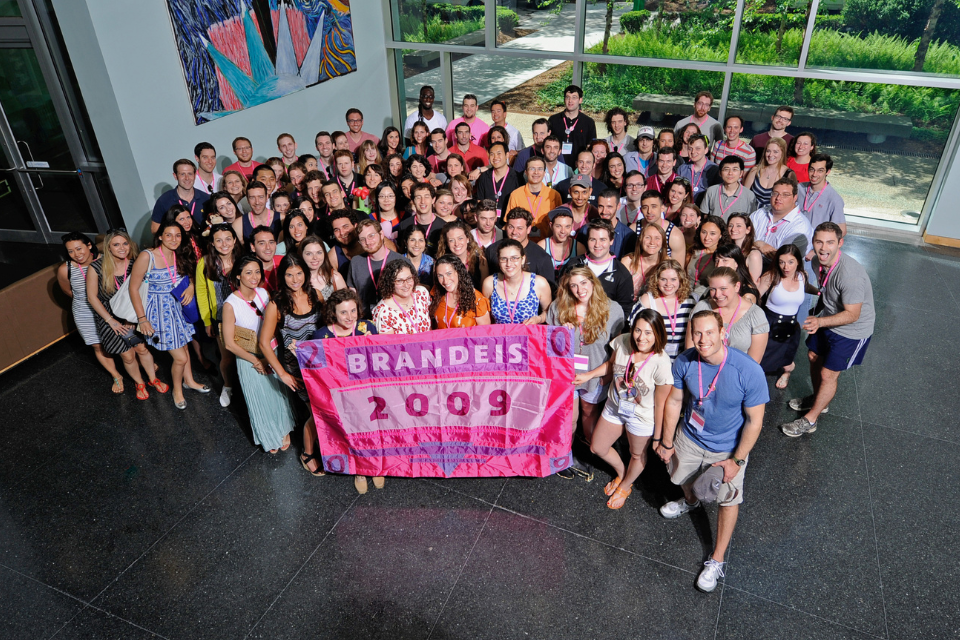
{"x":297,"y":328}
{"x":111,"y":343}
{"x":271,"y":417}
{"x":82,"y":311}
{"x":677,"y":331}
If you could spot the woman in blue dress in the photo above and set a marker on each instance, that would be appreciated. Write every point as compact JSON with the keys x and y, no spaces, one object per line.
{"x":518,"y":297}
{"x":160,"y":316}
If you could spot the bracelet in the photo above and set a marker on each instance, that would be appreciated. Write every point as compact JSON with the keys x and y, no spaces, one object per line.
{"x":657,"y":440}
{"x":663,"y":446}
{"x":138,"y":317}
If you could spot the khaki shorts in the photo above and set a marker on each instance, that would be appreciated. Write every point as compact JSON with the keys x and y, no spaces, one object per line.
{"x":690,"y":460}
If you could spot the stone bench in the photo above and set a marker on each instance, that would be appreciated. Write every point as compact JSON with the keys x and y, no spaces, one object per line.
{"x":426,"y":58}
{"x":876,"y":127}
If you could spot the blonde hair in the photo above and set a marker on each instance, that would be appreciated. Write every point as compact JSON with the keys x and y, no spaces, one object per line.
{"x":779,"y":143}
{"x":108,"y":286}
{"x":653,"y":280}
{"x":598,"y":308}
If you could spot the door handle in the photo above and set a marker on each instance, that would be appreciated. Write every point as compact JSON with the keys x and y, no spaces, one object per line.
{"x":30,"y":153}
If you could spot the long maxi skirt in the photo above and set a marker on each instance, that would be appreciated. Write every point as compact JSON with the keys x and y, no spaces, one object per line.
{"x":271,"y":417}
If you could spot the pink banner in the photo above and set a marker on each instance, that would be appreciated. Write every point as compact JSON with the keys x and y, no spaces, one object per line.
{"x":482,"y":401}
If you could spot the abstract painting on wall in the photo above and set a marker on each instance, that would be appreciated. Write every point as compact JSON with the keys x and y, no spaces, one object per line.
{"x":240,"y":53}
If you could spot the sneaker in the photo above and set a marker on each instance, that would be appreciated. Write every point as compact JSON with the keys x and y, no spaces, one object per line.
{"x":712,"y":570}
{"x":677,"y":508}
{"x":805,"y":404}
{"x":225,"y":396}
{"x":798,"y":427}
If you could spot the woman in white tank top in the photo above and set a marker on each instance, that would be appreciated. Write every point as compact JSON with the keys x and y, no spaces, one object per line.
{"x":782,"y":292}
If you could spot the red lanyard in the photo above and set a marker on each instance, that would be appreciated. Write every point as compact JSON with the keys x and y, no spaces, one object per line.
{"x":733,"y":318}
{"x":173,"y":278}
{"x":823,"y":284}
{"x":807,"y":208}
{"x":446,"y":321}
{"x":736,"y":196}
{"x":627,"y":380}
{"x":713,"y":385}
{"x":413,"y":325}
{"x":516,"y":302}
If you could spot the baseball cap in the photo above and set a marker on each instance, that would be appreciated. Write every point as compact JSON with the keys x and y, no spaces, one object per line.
{"x":646,"y":132}
{"x":709,"y":487}
{"x":581,"y":180}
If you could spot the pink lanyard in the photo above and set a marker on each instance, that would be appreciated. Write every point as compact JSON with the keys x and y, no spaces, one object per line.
{"x":370,"y":268}
{"x":192,"y":204}
{"x":807,"y":208}
{"x":597,"y":262}
{"x":343,"y":188}
{"x":554,"y":172}
{"x":627,"y":380}
{"x":413,"y":325}
{"x":773,"y":229}
{"x":736,"y":196}
{"x":568,"y":128}
{"x":713,"y":385}
{"x":696,"y":270}
{"x":116,"y":280}
{"x":173,"y":278}
{"x":695,"y":179}
{"x":493,"y":178}
{"x":626,"y":214}
{"x":426,"y":234}
{"x":533,"y":208}
{"x":672,"y":317}
{"x":208,"y":187}
{"x":563,"y":256}
{"x":823,"y":285}
{"x":516,"y":302}
{"x":733,"y":319}
{"x":447,"y":321}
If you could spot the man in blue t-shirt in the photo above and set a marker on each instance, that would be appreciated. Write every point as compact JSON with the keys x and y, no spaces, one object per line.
{"x":722,"y":393}
{"x":193,"y":199}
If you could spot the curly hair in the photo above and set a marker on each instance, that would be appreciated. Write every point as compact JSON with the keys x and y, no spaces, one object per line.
{"x":339,"y":297}
{"x":466,"y":294}
{"x":474,"y":252}
{"x":653,"y":280}
{"x":616,"y":111}
{"x":388,"y":277}
{"x":718,"y":222}
{"x":598,"y":308}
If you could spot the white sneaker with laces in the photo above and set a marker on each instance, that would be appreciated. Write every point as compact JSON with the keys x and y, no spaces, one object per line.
{"x":712,"y":570}
{"x":225,"y":396}
{"x":677,"y":508}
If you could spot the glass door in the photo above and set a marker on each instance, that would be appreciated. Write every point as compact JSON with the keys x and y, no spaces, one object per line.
{"x":47,"y":187}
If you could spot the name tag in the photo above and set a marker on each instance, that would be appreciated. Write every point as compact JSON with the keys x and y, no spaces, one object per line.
{"x":626,"y":410}
{"x":581,"y":363}
{"x":567,"y":148}
{"x":697,"y":420}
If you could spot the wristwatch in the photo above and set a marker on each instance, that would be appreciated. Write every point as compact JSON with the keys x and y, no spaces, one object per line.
{"x":739,"y":462}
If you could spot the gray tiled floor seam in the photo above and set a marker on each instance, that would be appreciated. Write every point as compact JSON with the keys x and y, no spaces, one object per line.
{"x":873,"y":519}
{"x":463,"y":566}
{"x":301,"y":567}
{"x":107,"y":613}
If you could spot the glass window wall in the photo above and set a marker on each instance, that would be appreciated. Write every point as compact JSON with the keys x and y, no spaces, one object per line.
{"x":433,"y":22}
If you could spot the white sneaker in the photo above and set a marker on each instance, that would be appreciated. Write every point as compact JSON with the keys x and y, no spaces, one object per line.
{"x":677,"y":508}
{"x":225,"y":396}
{"x":712,"y":570}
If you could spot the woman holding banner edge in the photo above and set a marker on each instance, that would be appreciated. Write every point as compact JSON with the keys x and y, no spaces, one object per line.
{"x":583,"y":306}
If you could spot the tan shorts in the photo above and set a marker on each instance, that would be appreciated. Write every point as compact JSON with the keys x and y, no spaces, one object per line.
{"x":690,"y":460}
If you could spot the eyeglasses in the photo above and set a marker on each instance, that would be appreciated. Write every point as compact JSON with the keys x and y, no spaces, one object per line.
{"x":511,"y":260}
{"x":354,"y":121}
{"x":404,"y":280}
{"x":243,"y":148}
{"x":636,"y":185}
{"x":782,"y":118}
{"x":117,"y":230}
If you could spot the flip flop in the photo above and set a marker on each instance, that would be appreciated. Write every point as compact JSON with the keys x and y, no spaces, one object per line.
{"x":612,"y":486}
{"x":619,"y":497}
{"x":117,"y":382}
{"x":783,"y":380}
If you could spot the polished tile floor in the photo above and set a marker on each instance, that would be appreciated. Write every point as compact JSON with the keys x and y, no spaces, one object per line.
{"x":122,"y":519}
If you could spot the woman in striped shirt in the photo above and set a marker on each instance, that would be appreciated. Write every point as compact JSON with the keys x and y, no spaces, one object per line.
{"x":668,"y":293}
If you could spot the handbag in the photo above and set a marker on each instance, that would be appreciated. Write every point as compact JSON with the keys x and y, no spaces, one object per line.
{"x":246,"y":339}
{"x":191,"y":312}
{"x":120,"y":304}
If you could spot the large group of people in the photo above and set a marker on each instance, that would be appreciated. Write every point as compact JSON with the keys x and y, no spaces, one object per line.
{"x":683,"y":261}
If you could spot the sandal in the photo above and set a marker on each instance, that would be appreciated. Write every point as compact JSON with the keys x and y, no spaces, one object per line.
{"x":619,"y":497}
{"x":142,"y":393}
{"x":286,"y":443}
{"x":160,"y":386}
{"x":305,"y":460}
{"x":783,"y":380}
{"x":117,"y":387}
{"x":612,"y":486}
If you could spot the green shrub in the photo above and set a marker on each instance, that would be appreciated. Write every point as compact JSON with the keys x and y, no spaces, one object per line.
{"x":904,"y":18}
{"x":507,"y":20}
{"x":633,"y":21}
{"x":446,"y":22}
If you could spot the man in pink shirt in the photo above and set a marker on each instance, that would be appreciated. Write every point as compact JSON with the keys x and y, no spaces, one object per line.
{"x":478,"y":128}
{"x":245,"y":164}
{"x":355,"y":135}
